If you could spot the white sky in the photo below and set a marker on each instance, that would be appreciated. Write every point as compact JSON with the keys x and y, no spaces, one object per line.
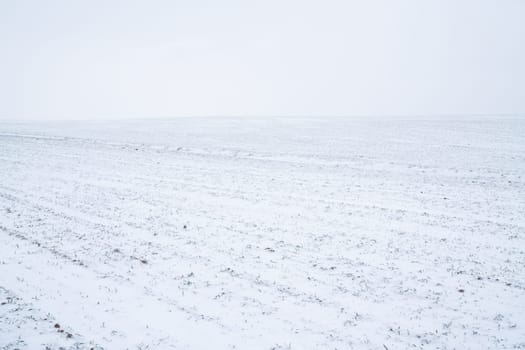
{"x":112,"y":59}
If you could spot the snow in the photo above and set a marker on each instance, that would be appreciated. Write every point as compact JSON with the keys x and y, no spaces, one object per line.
{"x":263,"y":233}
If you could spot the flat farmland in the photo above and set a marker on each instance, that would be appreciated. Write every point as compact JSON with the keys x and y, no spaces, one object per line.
{"x":274,"y":233}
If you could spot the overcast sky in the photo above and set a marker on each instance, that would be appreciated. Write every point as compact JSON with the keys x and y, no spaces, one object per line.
{"x":128,"y":59}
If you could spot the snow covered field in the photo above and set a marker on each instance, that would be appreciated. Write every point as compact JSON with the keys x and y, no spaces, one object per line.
{"x":275,"y":233}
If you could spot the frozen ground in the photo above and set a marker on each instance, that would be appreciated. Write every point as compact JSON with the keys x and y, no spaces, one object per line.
{"x":263,"y":234}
